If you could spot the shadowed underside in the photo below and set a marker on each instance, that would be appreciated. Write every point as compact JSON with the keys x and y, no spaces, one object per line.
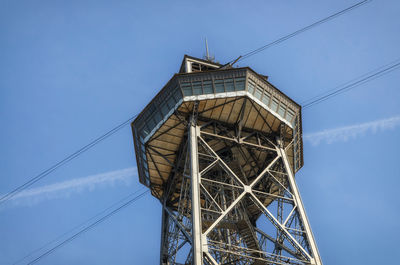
{"x":163,"y":146}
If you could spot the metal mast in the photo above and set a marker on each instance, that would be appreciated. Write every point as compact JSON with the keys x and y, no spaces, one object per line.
{"x":222,"y":160}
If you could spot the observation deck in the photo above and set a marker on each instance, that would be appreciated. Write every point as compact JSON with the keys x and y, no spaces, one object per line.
{"x":236,"y":97}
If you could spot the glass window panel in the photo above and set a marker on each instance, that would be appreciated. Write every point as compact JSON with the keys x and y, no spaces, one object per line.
{"x":197,"y":88}
{"x":157,"y":114}
{"x":274,"y":105}
{"x":151,"y":124}
{"x":151,"y":108}
{"x":207,"y":87}
{"x":281,"y":110}
{"x":171,"y":102}
{"x":177,"y":94}
{"x":229,"y":85}
{"x":251,"y":87}
{"x":164,"y":110}
{"x":258,"y":92}
{"x":187,"y":89}
{"x":239,"y":83}
{"x":289,"y":115}
{"x":266,"y":98}
{"x":219,"y":86}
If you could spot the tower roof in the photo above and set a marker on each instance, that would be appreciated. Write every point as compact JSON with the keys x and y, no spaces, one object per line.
{"x":197,"y":65}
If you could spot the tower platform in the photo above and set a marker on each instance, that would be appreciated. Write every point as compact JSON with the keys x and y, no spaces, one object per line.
{"x":219,"y":147}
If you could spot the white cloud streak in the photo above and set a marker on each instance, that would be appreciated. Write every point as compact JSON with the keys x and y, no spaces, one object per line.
{"x":346,"y":133}
{"x":77,"y":185}
{"x":111,"y":178}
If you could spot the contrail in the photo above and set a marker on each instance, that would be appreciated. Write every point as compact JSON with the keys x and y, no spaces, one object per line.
{"x":343,"y":134}
{"x":65,"y":188}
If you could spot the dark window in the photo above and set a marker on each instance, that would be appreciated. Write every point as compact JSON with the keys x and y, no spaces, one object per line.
{"x":197,"y":88}
{"x":229,"y":85}
{"x":187,"y":89}
{"x":219,"y":86}
{"x":239,"y":83}
{"x":207,"y":87}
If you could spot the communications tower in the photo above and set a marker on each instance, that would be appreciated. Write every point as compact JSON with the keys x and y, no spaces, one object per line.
{"x":219,"y":148}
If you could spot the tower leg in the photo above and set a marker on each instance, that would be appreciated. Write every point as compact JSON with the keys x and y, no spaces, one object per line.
{"x":195,"y":194}
{"x":164,"y":238}
{"x":301,"y":209}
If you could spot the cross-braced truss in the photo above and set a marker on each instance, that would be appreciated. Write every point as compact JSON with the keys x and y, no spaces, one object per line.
{"x":233,"y":199}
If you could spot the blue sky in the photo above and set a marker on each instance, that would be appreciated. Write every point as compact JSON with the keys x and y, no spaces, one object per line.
{"x":71,"y":70}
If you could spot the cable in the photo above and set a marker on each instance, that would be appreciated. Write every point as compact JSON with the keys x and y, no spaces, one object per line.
{"x":64,"y":161}
{"x":90,"y":145}
{"x":251,"y":53}
{"x":350,"y":81}
{"x":89,"y":227}
{"x":350,"y":85}
{"x":77,"y":226}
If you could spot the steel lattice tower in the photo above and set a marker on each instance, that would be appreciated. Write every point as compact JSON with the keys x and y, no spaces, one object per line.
{"x":219,"y":147}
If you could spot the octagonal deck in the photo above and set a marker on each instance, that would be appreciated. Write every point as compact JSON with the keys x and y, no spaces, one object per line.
{"x":160,"y":128}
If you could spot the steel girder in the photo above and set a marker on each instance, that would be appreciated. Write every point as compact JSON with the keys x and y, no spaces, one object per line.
{"x":238,"y":201}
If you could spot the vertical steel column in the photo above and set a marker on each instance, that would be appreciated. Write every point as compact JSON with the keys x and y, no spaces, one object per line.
{"x":164,"y":228}
{"x":315,"y":253}
{"x":195,"y":185}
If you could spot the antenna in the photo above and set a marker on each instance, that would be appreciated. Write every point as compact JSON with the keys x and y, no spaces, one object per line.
{"x":208,"y":57}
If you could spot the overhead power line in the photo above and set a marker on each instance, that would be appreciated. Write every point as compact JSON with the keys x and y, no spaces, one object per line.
{"x":310,"y":102}
{"x":353,"y":83}
{"x":117,"y":128}
{"x":46,"y":172}
{"x":87,"y":228}
{"x":291,"y":35}
{"x":119,"y":202}
{"x":303,"y":103}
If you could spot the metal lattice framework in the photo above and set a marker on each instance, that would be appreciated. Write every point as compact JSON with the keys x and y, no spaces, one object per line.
{"x":234,"y":213}
{"x":219,"y":148}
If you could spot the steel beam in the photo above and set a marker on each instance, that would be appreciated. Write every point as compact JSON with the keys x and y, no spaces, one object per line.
{"x":195,"y":193}
{"x":299,"y":203}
